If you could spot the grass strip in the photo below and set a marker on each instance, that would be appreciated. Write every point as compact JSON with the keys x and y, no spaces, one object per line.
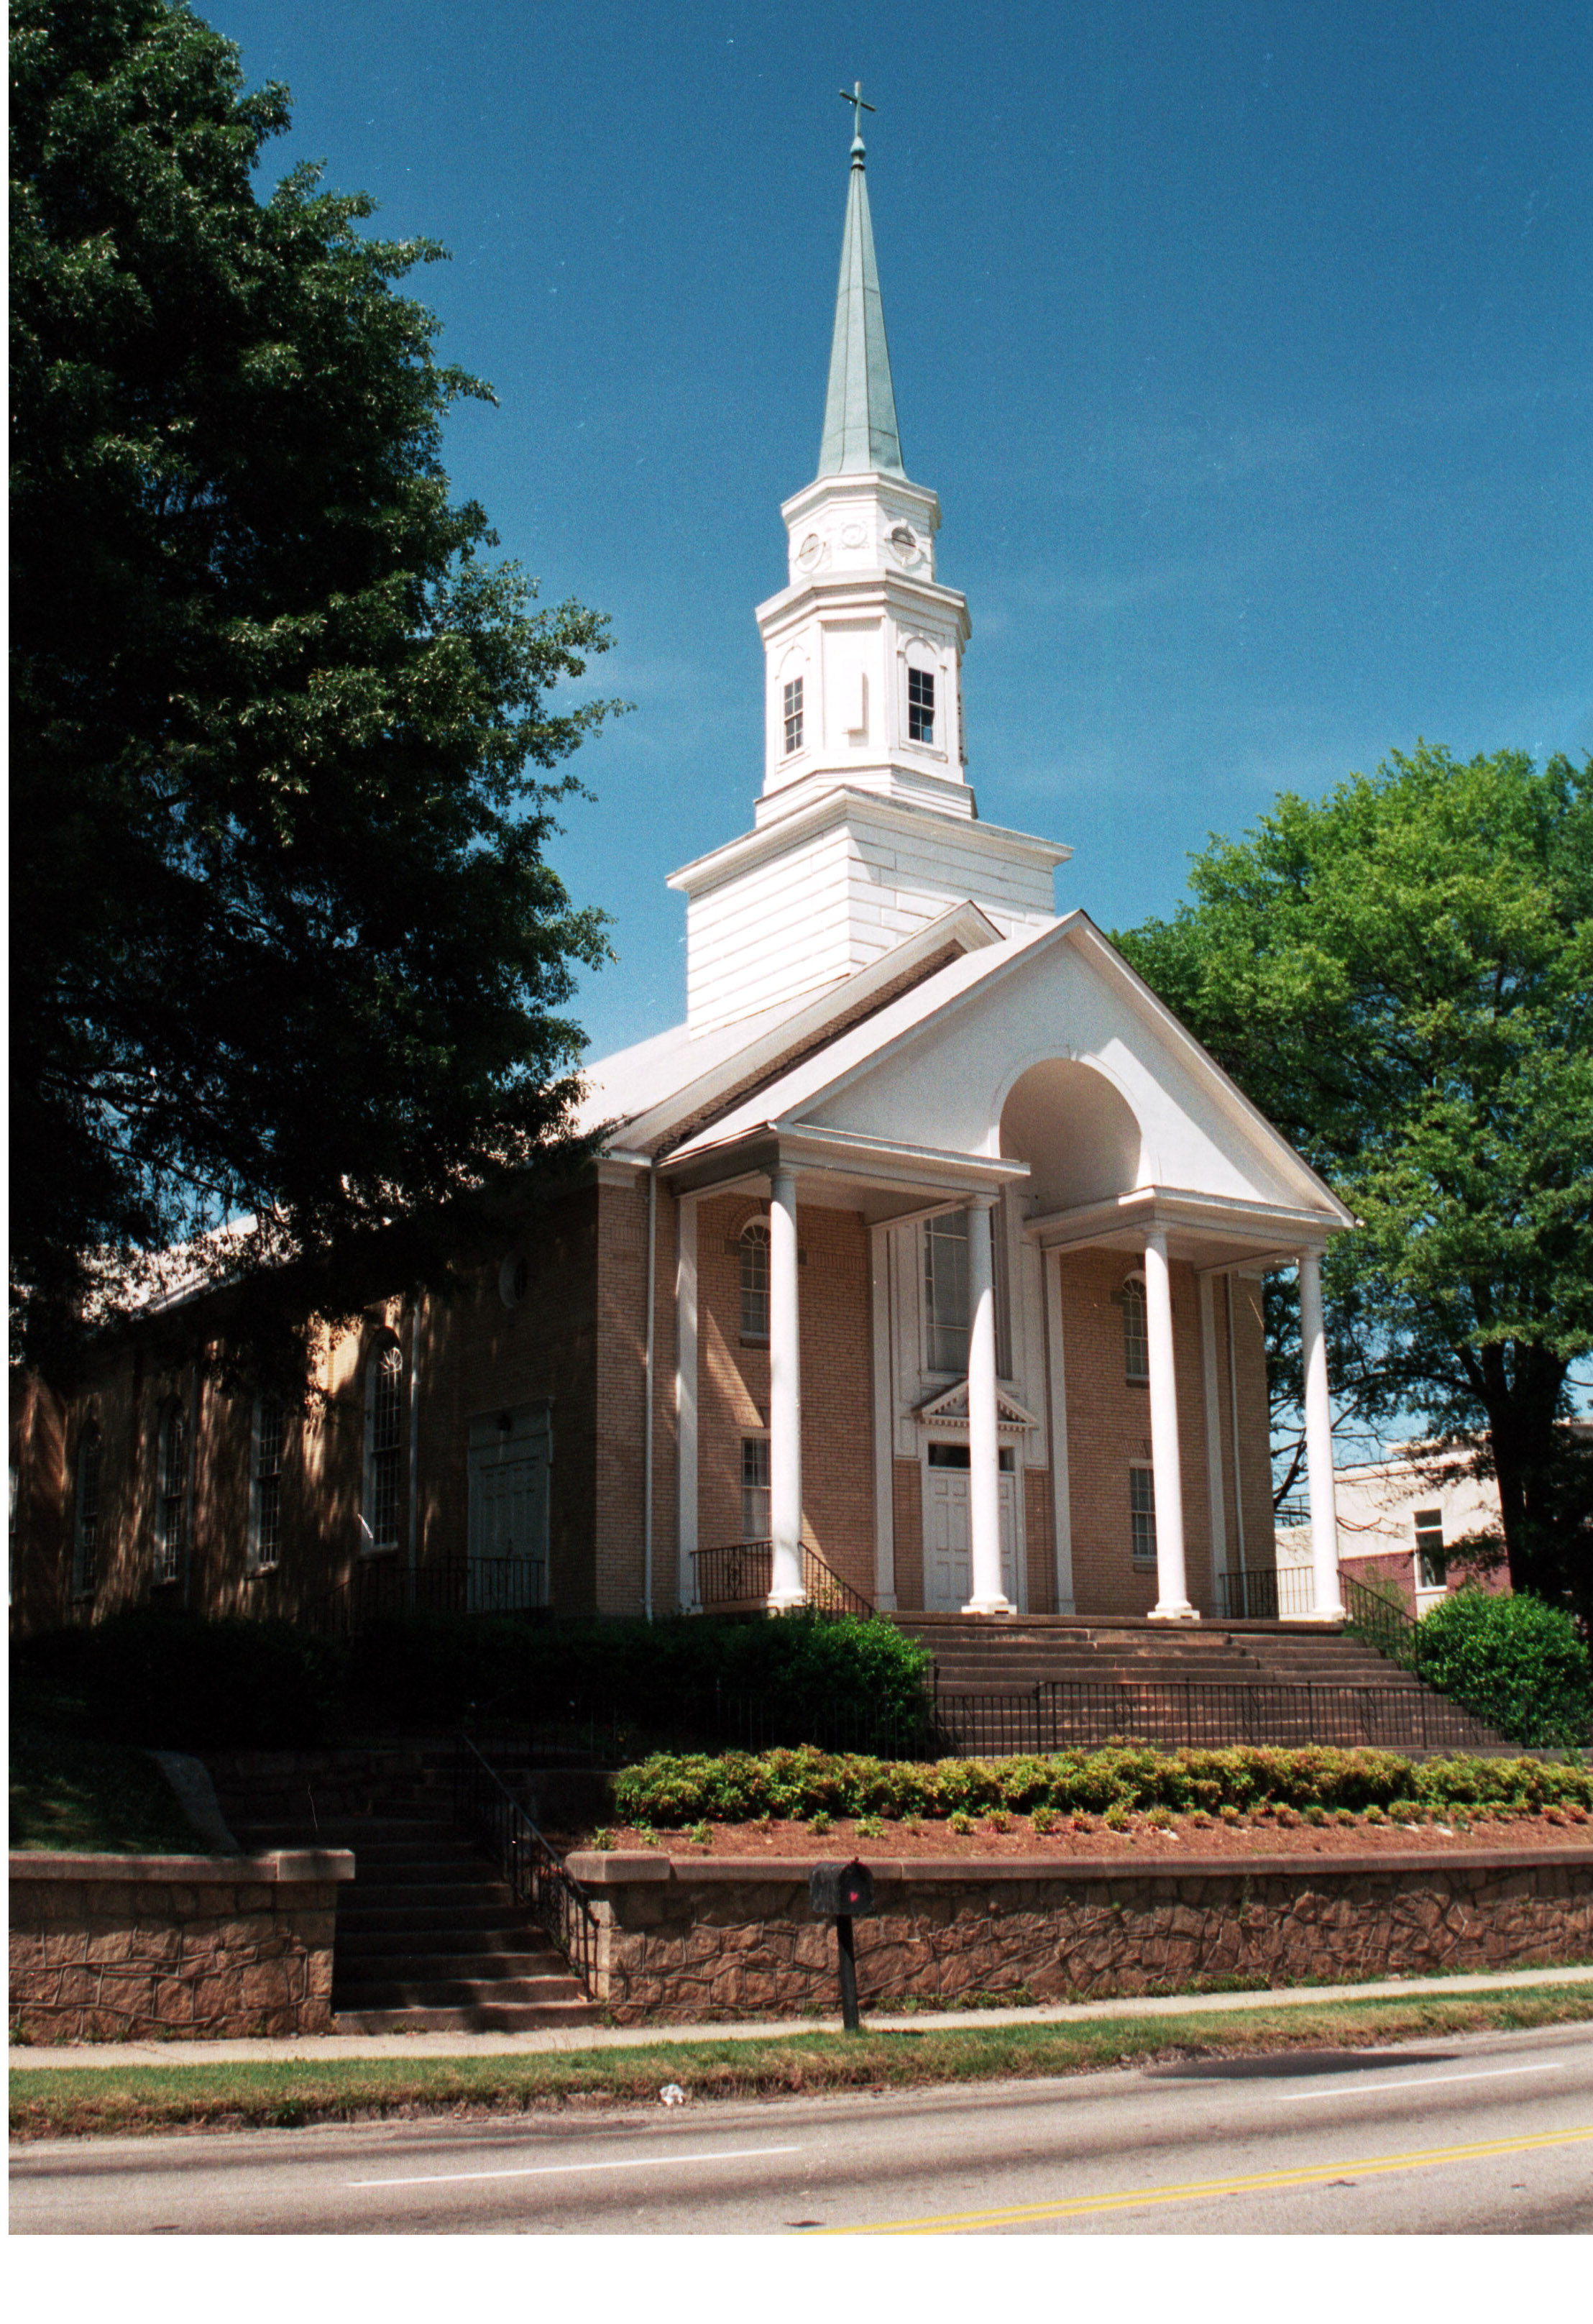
{"x":268,"y":2094}
{"x":76,"y":1793}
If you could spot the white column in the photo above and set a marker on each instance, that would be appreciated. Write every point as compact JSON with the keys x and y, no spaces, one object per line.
{"x":685,"y":1396}
{"x":884,"y":1417}
{"x":1326,"y":1603}
{"x":984,"y":1469}
{"x":1172,"y":1591}
{"x":784,"y":1398}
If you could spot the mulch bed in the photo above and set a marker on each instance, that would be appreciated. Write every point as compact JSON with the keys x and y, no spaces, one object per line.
{"x":1089,"y":1836}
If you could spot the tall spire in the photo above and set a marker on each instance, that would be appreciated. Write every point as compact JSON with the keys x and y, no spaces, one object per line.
{"x":860,"y":409}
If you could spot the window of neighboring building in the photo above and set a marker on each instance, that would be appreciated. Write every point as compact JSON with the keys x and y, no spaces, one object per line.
{"x":170,"y":1495}
{"x":1430,"y":1557}
{"x":86,"y":1519}
{"x":755,"y":1521}
{"x":1142,"y":1514}
{"x":920,"y":705}
{"x":946,"y":1293}
{"x":792,"y":713}
{"x":754,"y":1257}
{"x":385,"y":1399}
{"x":1136,"y":1330}
{"x":265,"y":1485}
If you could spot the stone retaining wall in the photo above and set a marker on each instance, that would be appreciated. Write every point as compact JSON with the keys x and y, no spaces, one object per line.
{"x":123,"y":1948}
{"x":735,"y":1937}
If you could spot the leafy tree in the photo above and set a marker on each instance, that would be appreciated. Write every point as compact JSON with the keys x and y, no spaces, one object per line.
{"x":284,"y":942}
{"x":1401,"y":976}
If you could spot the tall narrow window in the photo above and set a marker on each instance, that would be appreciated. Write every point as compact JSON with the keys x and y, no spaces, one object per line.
{"x":171,"y":1495}
{"x":384,"y":1381}
{"x":754,"y":1249}
{"x":1430,"y":1557}
{"x":755,"y":1516}
{"x":85,"y":1515}
{"x":792,"y":712}
{"x":265,"y":1485}
{"x":920,"y":705}
{"x":1136,"y":1330}
{"x":1142,"y":1515}
{"x":946,"y":1293}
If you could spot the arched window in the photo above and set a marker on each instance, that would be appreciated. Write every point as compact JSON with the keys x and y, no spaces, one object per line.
{"x":86,"y":1515}
{"x":754,"y":1254}
{"x":384,"y":1396}
{"x":266,"y":1484}
{"x":171,"y":1494}
{"x":946,"y":1293}
{"x":1136,"y":1330}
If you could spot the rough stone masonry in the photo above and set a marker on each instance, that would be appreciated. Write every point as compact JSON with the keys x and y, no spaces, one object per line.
{"x":735,"y":1937}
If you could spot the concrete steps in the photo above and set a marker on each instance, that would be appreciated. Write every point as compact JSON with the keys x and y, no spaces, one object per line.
{"x":429,"y":1938}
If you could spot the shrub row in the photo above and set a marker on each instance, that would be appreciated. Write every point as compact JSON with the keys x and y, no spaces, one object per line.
{"x":669,"y":1790}
{"x":1515,"y":1662}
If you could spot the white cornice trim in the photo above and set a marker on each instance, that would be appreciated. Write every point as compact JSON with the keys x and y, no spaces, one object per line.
{"x":1185,"y":1210}
{"x":843,"y":804}
{"x":841,"y":1154}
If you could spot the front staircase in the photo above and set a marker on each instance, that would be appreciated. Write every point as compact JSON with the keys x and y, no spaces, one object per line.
{"x":429,"y":1938}
{"x":1039,"y":1681}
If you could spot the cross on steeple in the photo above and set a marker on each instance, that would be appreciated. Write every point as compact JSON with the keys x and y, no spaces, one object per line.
{"x":860,"y":105}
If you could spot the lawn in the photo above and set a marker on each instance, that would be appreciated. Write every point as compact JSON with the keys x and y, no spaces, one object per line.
{"x":71,"y":1793}
{"x":268,"y":2094}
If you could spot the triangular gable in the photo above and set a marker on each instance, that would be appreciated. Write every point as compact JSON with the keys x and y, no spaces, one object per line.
{"x":950,"y":1409}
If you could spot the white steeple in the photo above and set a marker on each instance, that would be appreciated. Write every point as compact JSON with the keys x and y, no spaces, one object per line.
{"x":866,"y":829}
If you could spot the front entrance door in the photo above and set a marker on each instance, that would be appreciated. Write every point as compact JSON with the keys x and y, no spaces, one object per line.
{"x":508,"y":1470}
{"x":948,"y":1572}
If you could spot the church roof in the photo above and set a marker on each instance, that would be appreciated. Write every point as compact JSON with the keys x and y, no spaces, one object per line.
{"x":859,"y":409}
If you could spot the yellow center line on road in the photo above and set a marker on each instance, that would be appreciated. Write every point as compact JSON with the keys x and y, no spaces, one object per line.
{"x":1321,"y":2174}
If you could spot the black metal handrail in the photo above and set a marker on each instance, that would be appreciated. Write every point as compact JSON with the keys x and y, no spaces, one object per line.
{"x":542,"y":1886}
{"x":377,"y":1587}
{"x":1381,"y":1623}
{"x":1262,"y":1595}
{"x":740,"y":1573}
{"x":1072,"y":1715}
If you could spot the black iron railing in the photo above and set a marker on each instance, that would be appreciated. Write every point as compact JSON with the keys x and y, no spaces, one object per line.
{"x":1072,"y":1714}
{"x":1383,"y":1622}
{"x":1264,"y":1595}
{"x":545,"y":1891}
{"x":378,"y":1588}
{"x":740,"y":1573}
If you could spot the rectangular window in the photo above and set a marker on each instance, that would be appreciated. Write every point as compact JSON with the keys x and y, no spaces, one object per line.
{"x":793,"y":717}
{"x":1430,"y":1557}
{"x":1135,"y":1331}
{"x":920,"y":705}
{"x":753,"y":1248}
{"x":384,"y":1447}
{"x":265,"y":1496}
{"x":946,"y":1293}
{"x":1142,"y":1515}
{"x":755,"y":1514}
{"x":172,"y":1506}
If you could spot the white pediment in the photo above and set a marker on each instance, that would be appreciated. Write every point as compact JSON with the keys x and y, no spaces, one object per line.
{"x":949,"y":1410}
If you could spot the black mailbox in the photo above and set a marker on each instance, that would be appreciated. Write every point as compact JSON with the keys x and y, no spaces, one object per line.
{"x":837,"y":1891}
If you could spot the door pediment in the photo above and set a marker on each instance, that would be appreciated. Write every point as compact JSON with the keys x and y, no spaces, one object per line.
{"x":949,"y":1410}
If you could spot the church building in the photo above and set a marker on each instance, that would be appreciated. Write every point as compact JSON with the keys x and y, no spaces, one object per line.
{"x":922,"y":1269}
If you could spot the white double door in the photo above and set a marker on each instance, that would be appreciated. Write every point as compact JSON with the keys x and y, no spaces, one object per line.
{"x":948,"y":1570}
{"x":509,"y":1480}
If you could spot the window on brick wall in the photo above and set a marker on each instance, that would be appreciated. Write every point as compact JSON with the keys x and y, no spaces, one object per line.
{"x":1136,"y":1330}
{"x":754,"y":1257}
{"x":171,"y":1494}
{"x":945,"y":1292}
{"x":266,"y":1484}
{"x":85,"y":1514}
{"x":1142,"y":1513}
{"x":384,"y":1397}
{"x":755,"y":1513}
{"x":1430,"y":1557}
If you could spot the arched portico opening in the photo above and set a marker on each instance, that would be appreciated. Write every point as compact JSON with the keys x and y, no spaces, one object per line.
{"x":1076,"y":1131}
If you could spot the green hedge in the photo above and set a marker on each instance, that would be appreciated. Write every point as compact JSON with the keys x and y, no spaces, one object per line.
{"x":421,"y":1669}
{"x":1514,"y":1660}
{"x":738,"y":1787}
{"x":175,"y":1682}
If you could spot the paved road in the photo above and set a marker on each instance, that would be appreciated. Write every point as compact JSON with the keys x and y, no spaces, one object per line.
{"x":1490,"y":2134}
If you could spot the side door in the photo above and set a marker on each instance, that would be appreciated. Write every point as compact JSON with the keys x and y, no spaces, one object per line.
{"x":508,"y":1510}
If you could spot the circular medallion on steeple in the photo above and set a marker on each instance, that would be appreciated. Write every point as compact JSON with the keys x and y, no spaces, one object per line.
{"x":904,"y":544}
{"x":810,"y":552}
{"x":853,"y":536}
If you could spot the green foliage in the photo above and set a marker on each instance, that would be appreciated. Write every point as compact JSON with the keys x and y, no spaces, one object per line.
{"x":285,"y":943}
{"x":1512,"y":1660}
{"x":672,"y":1790}
{"x":175,"y":1682}
{"x":666,"y":1676}
{"x":75,"y":1794}
{"x":1401,"y":976}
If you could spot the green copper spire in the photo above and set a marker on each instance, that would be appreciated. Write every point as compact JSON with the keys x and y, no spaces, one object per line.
{"x":859,"y":409}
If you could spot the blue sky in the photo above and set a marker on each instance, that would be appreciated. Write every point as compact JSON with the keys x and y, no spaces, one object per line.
{"x":1246,"y":342}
